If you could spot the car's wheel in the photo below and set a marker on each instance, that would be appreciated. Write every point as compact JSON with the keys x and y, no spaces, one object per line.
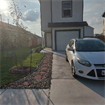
{"x":67,"y":58}
{"x":73,"y":70}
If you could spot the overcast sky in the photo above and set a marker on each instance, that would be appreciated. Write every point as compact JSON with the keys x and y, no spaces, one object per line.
{"x":93,"y":10}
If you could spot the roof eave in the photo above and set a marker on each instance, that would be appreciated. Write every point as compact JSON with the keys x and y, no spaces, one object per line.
{"x":103,"y":15}
{"x":39,"y":1}
{"x":68,"y":24}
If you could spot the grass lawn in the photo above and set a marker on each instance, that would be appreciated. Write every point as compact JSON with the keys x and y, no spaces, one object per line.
{"x":6,"y":64}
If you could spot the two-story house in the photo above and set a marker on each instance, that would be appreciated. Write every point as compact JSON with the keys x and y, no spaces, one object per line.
{"x":62,"y":20}
{"x":103,"y":15}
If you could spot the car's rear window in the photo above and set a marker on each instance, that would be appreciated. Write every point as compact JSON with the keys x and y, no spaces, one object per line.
{"x":90,"y":45}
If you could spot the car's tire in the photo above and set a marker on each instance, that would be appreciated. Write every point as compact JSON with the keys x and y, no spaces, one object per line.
{"x":67,"y":58}
{"x":73,"y":70}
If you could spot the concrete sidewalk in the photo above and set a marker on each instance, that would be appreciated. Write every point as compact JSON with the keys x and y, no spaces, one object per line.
{"x":24,"y":97}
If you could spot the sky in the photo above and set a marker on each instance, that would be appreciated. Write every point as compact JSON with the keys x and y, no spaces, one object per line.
{"x":30,"y":9}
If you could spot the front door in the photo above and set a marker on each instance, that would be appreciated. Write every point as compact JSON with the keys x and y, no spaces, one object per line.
{"x":48,"y":40}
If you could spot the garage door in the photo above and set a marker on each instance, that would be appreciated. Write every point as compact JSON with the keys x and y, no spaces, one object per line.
{"x":63,"y":38}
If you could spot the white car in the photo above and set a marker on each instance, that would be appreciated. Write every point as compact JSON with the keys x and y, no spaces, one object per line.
{"x":87,"y":58}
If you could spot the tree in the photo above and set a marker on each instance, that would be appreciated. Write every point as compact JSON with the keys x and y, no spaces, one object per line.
{"x":16,"y":15}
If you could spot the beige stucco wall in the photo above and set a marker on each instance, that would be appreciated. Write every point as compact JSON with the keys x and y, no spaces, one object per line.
{"x":77,"y":11}
{"x":45,"y":14}
{"x":56,"y":11}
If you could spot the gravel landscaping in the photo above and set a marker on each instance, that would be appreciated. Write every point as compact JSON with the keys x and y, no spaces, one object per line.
{"x":40,"y":78}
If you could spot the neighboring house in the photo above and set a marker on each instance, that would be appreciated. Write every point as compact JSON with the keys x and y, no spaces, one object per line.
{"x":103,"y":15}
{"x":62,"y":20}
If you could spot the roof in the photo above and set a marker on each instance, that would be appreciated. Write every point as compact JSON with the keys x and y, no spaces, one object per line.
{"x":90,"y":26}
{"x":68,"y":24}
{"x":88,"y":39}
{"x":103,"y":15}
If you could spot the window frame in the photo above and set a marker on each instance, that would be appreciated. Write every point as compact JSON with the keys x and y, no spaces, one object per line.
{"x":63,"y":9}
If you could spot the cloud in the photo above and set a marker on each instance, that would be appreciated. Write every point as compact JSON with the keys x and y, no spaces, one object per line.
{"x":30,"y":15}
{"x":25,"y":5}
{"x":5,"y":16}
{"x":96,"y":13}
{"x":93,"y":10}
{"x":35,"y":28}
{"x":95,"y":21}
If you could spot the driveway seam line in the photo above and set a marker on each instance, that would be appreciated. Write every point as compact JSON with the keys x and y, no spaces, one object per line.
{"x":3,"y":91}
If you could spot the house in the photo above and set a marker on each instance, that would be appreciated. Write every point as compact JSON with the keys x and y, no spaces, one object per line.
{"x":62,"y":20}
{"x":103,"y":15}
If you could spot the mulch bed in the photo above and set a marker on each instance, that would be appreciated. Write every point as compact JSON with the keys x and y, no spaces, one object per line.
{"x":20,"y":70}
{"x":40,"y":78}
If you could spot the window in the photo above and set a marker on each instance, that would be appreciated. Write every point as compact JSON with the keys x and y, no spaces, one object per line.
{"x":67,"y":8}
{"x":90,"y":45}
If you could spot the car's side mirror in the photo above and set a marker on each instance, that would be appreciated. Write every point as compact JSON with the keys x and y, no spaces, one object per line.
{"x":70,"y":49}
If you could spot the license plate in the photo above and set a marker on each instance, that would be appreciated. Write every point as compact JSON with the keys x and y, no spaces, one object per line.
{"x":103,"y":72}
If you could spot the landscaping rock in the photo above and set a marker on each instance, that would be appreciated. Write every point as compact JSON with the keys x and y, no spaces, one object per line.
{"x":40,"y":78}
{"x":26,"y":84}
{"x":42,"y":72}
{"x":19,"y":70}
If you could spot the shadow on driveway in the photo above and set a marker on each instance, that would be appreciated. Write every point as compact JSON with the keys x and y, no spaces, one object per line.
{"x":97,"y":86}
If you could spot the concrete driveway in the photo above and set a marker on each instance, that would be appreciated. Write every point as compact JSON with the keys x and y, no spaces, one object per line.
{"x":66,"y":90}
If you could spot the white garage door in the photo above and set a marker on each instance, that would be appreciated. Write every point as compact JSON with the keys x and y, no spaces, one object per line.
{"x":63,"y":38}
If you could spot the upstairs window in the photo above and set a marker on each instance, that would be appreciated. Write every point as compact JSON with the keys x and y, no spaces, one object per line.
{"x":66,"y":8}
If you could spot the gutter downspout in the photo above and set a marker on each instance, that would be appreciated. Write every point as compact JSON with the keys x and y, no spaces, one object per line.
{"x":51,"y":28}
